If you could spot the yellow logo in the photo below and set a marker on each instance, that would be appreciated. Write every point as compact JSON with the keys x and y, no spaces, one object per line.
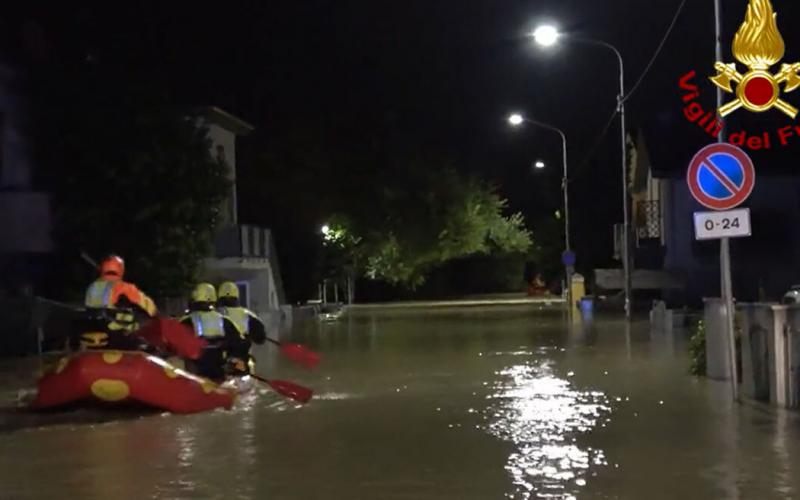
{"x":758,"y":45}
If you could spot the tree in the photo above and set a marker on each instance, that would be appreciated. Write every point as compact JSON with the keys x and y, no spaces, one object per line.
{"x":434,"y":218}
{"x":394,"y":213}
{"x":129,"y":174}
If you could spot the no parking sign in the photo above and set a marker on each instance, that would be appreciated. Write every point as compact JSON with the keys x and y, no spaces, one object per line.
{"x":721,"y":176}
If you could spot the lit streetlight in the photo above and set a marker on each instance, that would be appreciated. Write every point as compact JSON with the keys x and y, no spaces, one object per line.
{"x":547,"y":36}
{"x":326,"y":229}
{"x":516,"y":120}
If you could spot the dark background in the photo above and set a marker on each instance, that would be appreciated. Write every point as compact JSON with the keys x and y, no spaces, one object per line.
{"x":435,"y":75}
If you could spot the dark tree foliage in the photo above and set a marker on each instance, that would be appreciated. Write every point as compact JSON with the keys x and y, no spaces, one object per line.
{"x":130,"y":174}
{"x":393,"y":215}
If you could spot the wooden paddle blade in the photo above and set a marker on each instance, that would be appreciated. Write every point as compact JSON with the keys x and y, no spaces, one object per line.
{"x":290,"y":390}
{"x":301,"y":355}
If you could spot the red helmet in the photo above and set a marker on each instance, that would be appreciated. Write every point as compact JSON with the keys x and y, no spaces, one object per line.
{"x":112,"y":266}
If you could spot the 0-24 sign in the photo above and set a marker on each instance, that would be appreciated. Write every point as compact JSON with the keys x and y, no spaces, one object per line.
{"x":717,"y":225}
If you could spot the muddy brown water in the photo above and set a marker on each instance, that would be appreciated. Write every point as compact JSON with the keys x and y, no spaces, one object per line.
{"x":472,"y":403}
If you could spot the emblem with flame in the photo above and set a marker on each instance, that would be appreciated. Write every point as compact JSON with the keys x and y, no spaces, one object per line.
{"x":758,"y":45}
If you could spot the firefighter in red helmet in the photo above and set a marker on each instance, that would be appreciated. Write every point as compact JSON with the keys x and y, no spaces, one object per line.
{"x":112,"y":305}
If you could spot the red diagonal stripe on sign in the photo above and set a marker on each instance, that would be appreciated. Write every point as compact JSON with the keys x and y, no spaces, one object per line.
{"x":721,"y":177}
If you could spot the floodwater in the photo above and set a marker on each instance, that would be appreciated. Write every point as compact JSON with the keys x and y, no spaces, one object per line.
{"x":472,"y":403}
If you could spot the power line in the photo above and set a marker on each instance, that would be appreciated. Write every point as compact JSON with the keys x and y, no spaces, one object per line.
{"x":657,"y":52}
{"x":596,"y":144}
{"x":599,"y":139}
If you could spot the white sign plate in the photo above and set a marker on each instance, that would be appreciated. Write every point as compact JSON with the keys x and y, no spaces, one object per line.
{"x":718,"y":225}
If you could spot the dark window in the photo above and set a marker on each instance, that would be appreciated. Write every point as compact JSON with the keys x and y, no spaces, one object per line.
{"x":244,"y":293}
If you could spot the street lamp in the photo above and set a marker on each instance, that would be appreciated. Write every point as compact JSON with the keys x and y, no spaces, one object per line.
{"x":516,"y":120}
{"x":547,"y":36}
{"x":325,"y":229}
{"x":538,"y":164}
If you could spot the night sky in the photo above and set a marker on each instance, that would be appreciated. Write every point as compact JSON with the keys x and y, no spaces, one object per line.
{"x":439,"y":74}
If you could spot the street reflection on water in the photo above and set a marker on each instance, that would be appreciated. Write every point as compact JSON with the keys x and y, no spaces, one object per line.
{"x":543,"y":416}
{"x":462,"y":403}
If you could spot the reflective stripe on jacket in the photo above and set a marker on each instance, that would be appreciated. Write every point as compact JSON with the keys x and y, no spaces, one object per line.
{"x":240,"y":317}
{"x":208,"y":324}
{"x":100,"y":294}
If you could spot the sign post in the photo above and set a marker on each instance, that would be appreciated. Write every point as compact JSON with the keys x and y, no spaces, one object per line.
{"x":724,"y":247}
{"x":568,"y":258}
{"x":721,"y":177}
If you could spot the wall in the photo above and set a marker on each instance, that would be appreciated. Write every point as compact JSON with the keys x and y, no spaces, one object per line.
{"x":222,"y":137}
{"x":257,"y":272}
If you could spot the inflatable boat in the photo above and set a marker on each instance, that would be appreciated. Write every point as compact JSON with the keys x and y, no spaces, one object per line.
{"x":131,"y":377}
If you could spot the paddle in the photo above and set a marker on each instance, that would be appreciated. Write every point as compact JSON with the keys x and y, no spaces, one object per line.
{"x":290,"y":390}
{"x":172,"y":336}
{"x":298,"y":353}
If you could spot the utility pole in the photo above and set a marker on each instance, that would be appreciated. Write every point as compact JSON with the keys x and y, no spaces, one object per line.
{"x":726,"y":285}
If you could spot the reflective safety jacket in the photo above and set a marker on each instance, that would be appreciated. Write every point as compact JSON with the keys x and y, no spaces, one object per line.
{"x":107,"y":294}
{"x":207,"y":324}
{"x":219,"y":330}
{"x":247,"y":322}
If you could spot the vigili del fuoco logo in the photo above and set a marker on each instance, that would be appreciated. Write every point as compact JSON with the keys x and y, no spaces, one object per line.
{"x":759,"y":46}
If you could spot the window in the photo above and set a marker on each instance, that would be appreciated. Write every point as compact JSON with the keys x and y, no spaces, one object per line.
{"x":244,"y":293}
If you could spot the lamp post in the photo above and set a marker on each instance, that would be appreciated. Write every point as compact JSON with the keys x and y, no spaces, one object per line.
{"x":516,"y":120}
{"x":547,"y":36}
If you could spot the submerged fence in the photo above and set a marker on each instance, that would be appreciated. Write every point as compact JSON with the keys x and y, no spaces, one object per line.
{"x":768,"y":350}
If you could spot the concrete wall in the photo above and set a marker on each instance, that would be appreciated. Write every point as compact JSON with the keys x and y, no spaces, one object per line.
{"x":225,"y":139}
{"x":257,"y":273}
{"x":770,"y":353}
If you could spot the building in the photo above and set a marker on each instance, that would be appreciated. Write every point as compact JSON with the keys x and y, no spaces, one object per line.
{"x":243,"y":253}
{"x":25,"y":221}
{"x":764,"y":265}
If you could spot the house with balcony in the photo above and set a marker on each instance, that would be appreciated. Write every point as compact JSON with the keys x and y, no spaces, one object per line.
{"x":764,"y":265}
{"x":242,"y":253}
{"x":649,"y":216}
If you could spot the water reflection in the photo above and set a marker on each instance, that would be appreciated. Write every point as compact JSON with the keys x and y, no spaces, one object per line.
{"x":543,"y":416}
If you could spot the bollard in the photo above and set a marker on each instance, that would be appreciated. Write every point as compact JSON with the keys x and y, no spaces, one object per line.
{"x":578,"y":286}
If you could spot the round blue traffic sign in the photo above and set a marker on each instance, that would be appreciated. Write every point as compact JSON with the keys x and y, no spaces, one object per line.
{"x":569,"y":258}
{"x":721,"y":176}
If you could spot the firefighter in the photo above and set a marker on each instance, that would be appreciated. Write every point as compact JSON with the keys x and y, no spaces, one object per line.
{"x":227,"y":349}
{"x":112,"y":306}
{"x":228,"y":303}
{"x":250,"y":325}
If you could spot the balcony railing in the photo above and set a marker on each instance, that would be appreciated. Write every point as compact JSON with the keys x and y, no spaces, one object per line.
{"x":243,"y":241}
{"x":648,"y":220}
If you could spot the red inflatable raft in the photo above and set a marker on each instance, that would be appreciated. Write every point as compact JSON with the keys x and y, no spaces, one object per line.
{"x":132,"y":377}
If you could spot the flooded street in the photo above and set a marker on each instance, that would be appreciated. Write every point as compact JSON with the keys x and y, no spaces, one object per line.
{"x":471,"y":403}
